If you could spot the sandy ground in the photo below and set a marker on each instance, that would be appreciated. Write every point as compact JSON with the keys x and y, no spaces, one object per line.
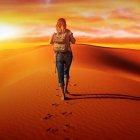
{"x":104,"y":100}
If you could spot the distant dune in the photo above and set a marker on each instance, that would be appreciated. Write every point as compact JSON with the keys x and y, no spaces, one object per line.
{"x":104,"y":95}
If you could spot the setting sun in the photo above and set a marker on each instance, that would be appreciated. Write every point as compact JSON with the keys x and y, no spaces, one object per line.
{"x":7,"y":32}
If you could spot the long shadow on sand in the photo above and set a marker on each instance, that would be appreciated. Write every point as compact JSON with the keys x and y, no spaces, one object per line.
{"x":101,"y":96}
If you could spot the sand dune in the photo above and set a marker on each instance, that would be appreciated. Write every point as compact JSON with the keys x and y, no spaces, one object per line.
{"x":125,"y":62}
{"x":103,"y":104}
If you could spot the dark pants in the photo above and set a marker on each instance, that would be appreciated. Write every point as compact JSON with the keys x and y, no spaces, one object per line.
{"x":63,"y":63}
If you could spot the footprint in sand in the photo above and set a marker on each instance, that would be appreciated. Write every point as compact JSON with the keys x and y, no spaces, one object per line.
{"x":73,"y":85}
{"x":55,"y":104}
{"x":67,"y":139}
{"x":66,"y":113}
{"x":64,"y":103}
{"x":58,"y":94}
{"x":52,"y":130}
{"x":68,"y":103}
{"x":68,"y":127}
{"x":49,"y":116}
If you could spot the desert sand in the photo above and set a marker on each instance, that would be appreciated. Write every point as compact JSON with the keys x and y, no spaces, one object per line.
{"x":104,"y":100}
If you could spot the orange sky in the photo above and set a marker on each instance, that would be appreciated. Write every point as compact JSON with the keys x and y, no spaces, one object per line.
{"x":102,"y":22}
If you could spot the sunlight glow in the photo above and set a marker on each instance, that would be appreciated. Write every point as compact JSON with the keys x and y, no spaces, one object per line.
{"x":8,"y":32}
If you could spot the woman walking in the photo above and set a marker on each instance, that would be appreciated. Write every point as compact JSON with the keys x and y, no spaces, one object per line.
{"x":61,"y":41}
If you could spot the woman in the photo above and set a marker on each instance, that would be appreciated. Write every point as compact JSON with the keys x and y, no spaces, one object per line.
{"x":61,"y":41}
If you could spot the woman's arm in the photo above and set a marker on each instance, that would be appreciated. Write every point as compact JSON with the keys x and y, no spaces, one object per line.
{"x":52,"y":39}
{"x":72,"y":39}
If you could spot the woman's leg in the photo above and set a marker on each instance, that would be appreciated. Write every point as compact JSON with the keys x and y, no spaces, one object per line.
{"x":66,"y":85}
{"x":60,"y":70}
{"x":68,"y":61}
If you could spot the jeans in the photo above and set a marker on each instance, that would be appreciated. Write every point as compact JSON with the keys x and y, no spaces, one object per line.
{"x":63,"y":63}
